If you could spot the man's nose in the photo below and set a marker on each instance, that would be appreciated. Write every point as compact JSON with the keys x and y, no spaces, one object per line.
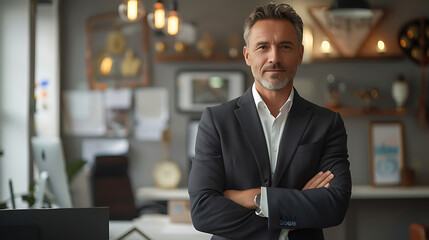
{"x":274,"y":55}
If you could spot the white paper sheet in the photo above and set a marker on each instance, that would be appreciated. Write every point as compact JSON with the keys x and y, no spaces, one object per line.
{"x":118,"y":98}
{"x":93,"y":147}
{"x":84,"y":113}
{"x":151,"y":113}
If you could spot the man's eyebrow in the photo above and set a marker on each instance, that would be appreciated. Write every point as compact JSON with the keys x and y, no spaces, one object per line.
{"x":261,"y":43}
{"x":287,"y":42}
{"x":266,"y":42}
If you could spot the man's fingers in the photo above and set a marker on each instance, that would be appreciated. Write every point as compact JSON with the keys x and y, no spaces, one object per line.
{"x":321,"y":179}
{"x":326,"y":180}
{"x":309,"y":183}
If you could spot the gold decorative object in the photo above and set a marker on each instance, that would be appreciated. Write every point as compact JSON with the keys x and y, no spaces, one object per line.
{"x":206,"y":45}
{"x":368,"y":95}
{"x":234,"y":43}
{"x":160,"y":46}
{"x":166,"y":173}
{"x":180,"y":47}
{"x":130,"y":66}
{"x":103,"y":64}
{"x":116,"y":43}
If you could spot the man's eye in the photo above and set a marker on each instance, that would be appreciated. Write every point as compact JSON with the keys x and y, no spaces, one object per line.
{"x":285,"y":47}
{"x":261,"y":47}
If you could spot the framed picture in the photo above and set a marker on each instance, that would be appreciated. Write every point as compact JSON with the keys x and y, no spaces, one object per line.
{"x":197,"y":90}
{"x":192,"y":136}
{"x":117,"y":52}
{"x":386,"y":144}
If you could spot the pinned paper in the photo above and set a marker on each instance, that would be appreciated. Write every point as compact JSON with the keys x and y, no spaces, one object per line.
{"x":151,"y":113}
{"x":84,"y":113}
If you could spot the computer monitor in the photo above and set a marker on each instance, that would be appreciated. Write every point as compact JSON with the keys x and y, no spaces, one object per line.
{"x":54,"y":224}
{"x":49,"y":158}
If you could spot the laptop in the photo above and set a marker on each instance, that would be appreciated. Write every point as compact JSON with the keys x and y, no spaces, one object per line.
{"x":55,"y":224}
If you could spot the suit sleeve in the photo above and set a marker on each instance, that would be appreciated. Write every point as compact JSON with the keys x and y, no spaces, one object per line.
{"x":322,"y":207}
{"x":210,"y":211}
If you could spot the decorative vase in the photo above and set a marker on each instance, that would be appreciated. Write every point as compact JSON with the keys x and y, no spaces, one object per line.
{"x":400,"y":92}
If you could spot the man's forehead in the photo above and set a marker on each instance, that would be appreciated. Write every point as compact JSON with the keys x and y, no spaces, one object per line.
{"x":268,"y":30}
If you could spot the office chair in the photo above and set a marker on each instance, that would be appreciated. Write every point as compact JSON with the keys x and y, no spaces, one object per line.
{"x":418,"y":231}
{"x":111,"y":187}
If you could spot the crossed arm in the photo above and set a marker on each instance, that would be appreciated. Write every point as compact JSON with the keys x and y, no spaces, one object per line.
{"x":245,"y":197}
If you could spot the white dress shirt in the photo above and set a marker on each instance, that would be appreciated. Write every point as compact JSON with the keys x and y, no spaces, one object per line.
{"x":273,"y":130}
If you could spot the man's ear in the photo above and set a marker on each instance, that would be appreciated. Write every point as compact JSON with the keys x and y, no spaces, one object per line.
{"x":246,"y":55}
{"x":301,"y":53}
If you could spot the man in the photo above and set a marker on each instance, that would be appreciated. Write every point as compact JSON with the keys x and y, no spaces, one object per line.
{"x":269,"y":164}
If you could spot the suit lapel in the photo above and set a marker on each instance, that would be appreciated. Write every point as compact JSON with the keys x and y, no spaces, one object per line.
{"x":296,"y":124}
{"x":250,"y":123}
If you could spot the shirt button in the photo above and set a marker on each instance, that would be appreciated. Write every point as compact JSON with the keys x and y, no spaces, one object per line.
{"x":275,"y":149}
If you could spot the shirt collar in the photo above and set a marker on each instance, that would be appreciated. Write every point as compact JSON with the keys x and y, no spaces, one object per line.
{"x":258,"y":99}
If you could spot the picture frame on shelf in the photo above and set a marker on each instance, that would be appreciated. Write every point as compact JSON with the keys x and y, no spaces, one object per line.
{"x":386,"y":145}
{"x":196,"y":90}
{"x":116,"y":52}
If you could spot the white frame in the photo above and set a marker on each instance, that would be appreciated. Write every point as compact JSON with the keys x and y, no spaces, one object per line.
{"x":386,"y":141}
{"x":185,"y":90}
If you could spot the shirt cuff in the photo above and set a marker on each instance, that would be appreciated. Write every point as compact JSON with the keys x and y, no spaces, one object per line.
{"x":264,"y":203}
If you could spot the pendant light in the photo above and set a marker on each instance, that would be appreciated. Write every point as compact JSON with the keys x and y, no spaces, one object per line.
{"x":351,"y":9}
{"x":159,"y":15}
{"x":131,"y":10}
{"x":173,"y":20}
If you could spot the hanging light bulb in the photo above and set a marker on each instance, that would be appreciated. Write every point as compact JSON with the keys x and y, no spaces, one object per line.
{"x":173,"y":20}
{"x":131,"y":10}
{"x":159,"y":15}
{"x":381,"y":47}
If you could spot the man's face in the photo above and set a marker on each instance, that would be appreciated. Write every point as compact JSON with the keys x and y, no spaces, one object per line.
{"x":273,"y":53}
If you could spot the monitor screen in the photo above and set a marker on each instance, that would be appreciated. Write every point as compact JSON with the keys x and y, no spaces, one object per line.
{"x":49,"y":158}
{"x":54,"y":224}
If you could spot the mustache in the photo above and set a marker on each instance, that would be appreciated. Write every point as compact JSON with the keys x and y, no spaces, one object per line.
{"x":276,"y":66}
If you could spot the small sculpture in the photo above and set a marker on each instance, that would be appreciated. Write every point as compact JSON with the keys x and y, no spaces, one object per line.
{"x":206,"y":45}
{"x":335,"y":88}
{"x":400,"y":92}
{"x":368,"y":95}
{"x":130,"y":66}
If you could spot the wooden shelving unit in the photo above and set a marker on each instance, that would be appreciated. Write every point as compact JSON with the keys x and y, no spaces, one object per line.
{"x":371,"y":111}
{"x":399,"y":192}
{"x":358,"y":58}
{"x":195,"y":58}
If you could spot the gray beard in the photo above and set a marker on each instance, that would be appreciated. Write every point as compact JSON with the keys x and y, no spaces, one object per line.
{"x":274,"y":85}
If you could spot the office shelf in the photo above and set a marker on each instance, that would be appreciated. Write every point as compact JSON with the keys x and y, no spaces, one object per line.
{"x":371,"y":111}
{"x":358,"y":192}
{"x":399,"y":192}
{"x":195,"y":58}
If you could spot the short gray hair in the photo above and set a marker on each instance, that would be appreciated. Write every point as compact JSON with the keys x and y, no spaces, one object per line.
{"x":273,"y":11}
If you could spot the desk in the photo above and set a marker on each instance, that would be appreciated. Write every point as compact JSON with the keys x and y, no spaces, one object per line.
{"x":158,"y":194}
{"x":156,"y":227}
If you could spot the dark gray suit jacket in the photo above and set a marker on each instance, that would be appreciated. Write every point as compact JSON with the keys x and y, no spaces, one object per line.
{"x":231,"y":153}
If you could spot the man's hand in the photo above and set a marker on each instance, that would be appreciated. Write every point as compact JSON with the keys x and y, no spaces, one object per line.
{"x":322,"y":179}
{"x":243,"y":197}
